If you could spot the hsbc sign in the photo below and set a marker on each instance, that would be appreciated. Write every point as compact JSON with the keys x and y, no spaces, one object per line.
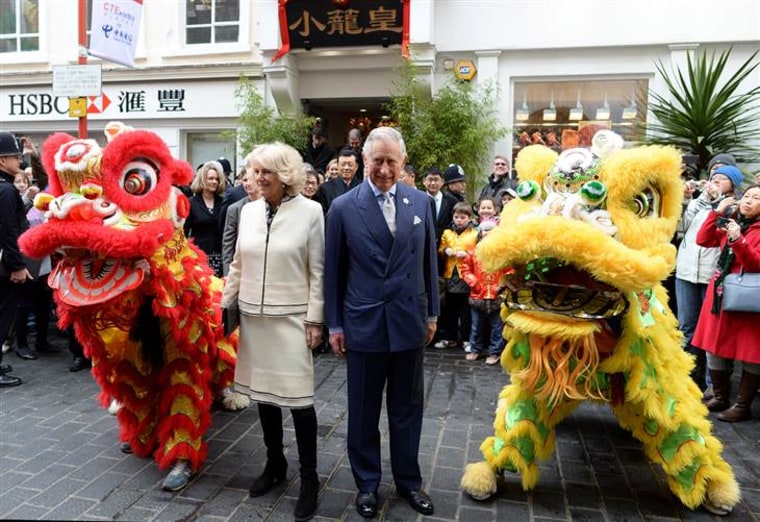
{"x":124,"y":102}
{"x":37,"y":104}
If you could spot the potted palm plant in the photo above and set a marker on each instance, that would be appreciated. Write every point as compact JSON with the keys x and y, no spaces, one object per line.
{"x":705,"y":111}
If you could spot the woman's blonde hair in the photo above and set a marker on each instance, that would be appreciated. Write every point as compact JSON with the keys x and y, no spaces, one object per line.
{"x":285,"y":161}
{"x":199,"y":181}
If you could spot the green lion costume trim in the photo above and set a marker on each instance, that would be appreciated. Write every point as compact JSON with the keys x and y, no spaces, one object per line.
{"x":585,"y":320}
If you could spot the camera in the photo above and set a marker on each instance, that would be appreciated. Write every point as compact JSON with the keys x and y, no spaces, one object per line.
{"x":722,"y":222}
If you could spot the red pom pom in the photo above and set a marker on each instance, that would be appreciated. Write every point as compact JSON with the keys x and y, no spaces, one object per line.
{"x":183,"y":206}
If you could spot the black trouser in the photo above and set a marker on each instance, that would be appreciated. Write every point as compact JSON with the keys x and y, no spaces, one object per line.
{"x":9,"y":295}
{"x":36,"y":297}
{"x":456,"y":318}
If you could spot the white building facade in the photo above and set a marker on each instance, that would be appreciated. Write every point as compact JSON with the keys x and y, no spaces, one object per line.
{"x":546,"y":56}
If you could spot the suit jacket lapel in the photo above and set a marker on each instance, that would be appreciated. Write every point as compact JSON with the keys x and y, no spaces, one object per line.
{"x":372,"y":216}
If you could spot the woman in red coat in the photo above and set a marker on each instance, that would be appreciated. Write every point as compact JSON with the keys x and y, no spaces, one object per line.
{"x":731,"y":335}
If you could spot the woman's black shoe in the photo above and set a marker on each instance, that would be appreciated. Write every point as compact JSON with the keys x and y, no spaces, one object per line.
{"x":307,"y":499}
{"x":270,"y":477}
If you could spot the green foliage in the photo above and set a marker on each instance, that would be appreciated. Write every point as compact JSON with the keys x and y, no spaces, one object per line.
{"x":457,"y":125}
{"x":704,"y":114}
{"x":261,"y":124}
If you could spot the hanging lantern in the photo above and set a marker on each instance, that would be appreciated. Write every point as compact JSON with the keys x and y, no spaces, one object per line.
{"x":340,"y":4}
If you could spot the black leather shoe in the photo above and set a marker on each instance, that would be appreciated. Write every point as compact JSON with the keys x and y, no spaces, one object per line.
{"x":419,"y":500}
{"x":6,"y":368}
{"x":366,"y":504}
{"x":125,"y":447}
{"x":46,"y":348}
{"x":9,"y":380}
{"x":25,"y":353}
{"x":78,"y":364}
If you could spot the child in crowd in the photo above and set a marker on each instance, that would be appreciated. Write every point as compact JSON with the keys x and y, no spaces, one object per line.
{"x":488,"y":209}
{"x":487,"y":326}
{"x":455,"y":243}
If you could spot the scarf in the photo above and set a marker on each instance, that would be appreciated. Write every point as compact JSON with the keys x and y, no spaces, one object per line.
{"x":725,"y":261}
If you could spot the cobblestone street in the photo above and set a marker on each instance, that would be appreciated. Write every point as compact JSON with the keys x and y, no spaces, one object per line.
{"x":59,"y":458}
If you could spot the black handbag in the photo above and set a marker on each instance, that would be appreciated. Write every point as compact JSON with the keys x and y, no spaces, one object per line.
{"x":741,"y":292}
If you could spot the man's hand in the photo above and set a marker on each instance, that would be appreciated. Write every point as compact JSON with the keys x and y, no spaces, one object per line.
{"x":313,"y":335}
{"x":431,"y":327}
{"x":338,"y":344}
{"x":20,"y":276}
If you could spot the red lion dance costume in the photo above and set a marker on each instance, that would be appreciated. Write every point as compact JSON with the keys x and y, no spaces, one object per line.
{"x":141,"y":298}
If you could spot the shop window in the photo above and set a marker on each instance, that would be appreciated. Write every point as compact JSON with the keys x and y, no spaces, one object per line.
{"x":212,"y":21}
{"x":19,"y":26}
{"x":563,"y":115}
{"x":208,"y":146}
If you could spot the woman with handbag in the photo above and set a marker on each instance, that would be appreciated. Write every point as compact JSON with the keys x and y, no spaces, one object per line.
{"x":731,"y":335}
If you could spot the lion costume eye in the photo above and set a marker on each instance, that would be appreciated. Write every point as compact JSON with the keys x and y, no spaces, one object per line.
{"x":139,"y":177}
{"x":646,"y":203}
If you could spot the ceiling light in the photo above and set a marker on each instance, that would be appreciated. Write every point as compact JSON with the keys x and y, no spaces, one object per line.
{"x":603,"y":112}
{"x":550,"y":114}
{"x":576,"y":113}
{"x":523,"y":113}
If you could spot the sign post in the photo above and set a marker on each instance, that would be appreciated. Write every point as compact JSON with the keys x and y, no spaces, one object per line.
{"x":82,"y":56}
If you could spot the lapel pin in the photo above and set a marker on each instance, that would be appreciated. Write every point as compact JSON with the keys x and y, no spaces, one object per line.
{"x":406,"y":201}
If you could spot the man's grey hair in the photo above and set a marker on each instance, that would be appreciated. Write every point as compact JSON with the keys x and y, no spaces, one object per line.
{"x":387,"y":134}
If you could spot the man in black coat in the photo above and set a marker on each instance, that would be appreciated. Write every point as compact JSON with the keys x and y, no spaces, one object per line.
{"x":13,"y":271}
{"x":443,"y":201}
{"x":501,"y":179}
{"x":348,"y":165}
{"x":318,"y":151}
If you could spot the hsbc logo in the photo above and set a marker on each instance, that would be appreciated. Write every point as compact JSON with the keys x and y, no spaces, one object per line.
{"x":43,"y":104}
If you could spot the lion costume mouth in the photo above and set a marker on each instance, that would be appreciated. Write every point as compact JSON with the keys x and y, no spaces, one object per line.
{"x":549,"y":285}
{"x":85,"y":278}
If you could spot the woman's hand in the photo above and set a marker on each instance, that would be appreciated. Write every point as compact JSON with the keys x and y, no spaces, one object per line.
{"x":733,"y":231}
{"x":724,"y":204}
{"x":313,"y":335}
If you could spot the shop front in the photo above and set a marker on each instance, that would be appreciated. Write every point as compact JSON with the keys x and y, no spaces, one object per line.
{"x":193,"y":117}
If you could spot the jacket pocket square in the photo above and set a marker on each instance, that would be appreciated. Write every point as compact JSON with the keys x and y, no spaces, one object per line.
{"x":417,"y":220}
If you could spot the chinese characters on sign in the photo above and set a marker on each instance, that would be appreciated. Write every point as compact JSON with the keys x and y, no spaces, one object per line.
{"x":319,"y":24}
{"x":169,"y":100}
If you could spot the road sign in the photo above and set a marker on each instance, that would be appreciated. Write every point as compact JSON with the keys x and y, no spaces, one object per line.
{"x":75,"y":81}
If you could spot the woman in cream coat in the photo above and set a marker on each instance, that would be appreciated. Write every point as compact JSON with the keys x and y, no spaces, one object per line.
{"x":276,"y":278}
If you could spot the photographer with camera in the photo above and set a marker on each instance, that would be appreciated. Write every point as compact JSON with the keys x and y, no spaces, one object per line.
{"x":695,"y":264}
{"x":729,"y":335}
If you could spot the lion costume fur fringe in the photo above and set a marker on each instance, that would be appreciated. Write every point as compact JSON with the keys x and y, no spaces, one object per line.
{"x":634,"y":361}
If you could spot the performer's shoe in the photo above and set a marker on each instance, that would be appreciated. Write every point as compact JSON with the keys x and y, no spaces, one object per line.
{"x":419,"y":501}
{"x":78,"y":364}
{"x":125,"y":447}
{"x":366,"y":504}
{"x":178,"y":477}
{"x":26,"y":353}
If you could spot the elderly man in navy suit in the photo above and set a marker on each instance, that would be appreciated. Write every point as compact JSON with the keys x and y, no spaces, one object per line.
{"x":381,"y":302}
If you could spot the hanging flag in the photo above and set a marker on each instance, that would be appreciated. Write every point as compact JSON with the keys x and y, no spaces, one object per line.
{"x":115,"y":26}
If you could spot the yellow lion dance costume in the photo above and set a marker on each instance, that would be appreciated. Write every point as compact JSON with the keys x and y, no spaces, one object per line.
{"x":585,"y":319}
